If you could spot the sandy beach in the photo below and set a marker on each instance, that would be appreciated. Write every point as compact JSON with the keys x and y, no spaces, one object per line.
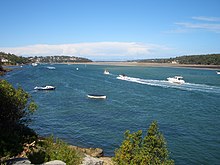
{"x":213,"y":67}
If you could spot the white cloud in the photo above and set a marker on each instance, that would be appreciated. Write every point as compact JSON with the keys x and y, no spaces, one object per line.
{"x":93,"y":50}
{"x":206,"y":26}
{"x":210,"y":19}
{"x":211,"y":24}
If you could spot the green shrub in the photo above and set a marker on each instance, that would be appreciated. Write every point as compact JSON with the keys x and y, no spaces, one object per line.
{"x":48,"y":150}
{"x":15,"y":108}
{"x":150,"y":150}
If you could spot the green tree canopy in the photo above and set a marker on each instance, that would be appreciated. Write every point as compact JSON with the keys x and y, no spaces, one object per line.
{"x":148,"y":150}
{"x":15,"y":108}
{"x":15,"y":104}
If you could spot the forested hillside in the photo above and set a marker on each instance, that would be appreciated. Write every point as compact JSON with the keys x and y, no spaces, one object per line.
{"x":12,"y":59}
{"x":210,"y":59}
{"x":59,"y":59}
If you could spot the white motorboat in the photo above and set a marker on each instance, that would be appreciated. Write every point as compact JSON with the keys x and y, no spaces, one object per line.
{"x":176,"y":79}
{"x":122,"y":77}
{"x":217,"y":72}
{"x":48,"y":87}
{"x":95,"y":96}
{"x":34,"y":64}
{"x":51,"y":67}
{"x":106,"y":72}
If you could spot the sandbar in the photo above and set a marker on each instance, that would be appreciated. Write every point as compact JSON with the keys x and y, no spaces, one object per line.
{"x":115,"y":63}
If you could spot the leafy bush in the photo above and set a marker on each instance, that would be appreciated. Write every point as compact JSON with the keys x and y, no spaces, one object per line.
{"x":47,"y":150}
{"x":16,"y":107}
{"x":150,"y":150}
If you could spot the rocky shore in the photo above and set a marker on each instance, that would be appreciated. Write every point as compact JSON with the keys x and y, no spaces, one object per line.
{"x":91,"y":156}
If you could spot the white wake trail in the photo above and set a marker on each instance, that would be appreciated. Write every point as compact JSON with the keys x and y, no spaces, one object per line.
{"x":166,"y":84}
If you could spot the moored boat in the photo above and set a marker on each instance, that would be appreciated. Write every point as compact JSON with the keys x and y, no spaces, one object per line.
{"x":34,"y":64}
{"x":217,"y":72}
{"x":106,"y":72}
{"x":95,"y":96}
{"x":176,"y":79}
{"x":48,"y":87}
{"x":51,"y":67}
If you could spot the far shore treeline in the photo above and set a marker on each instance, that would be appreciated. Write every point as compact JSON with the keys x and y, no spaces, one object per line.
{"x":209,"y":59}
{"x":12,"y":59}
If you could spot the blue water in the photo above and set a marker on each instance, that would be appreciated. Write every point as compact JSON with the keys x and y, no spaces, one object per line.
{"x":188,"y":115}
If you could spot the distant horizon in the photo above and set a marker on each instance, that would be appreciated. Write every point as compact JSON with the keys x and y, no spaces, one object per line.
{"x":111,"y":30}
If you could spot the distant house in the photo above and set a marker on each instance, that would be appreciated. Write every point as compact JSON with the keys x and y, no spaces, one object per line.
{"x":174,"y":62}
{"x":3,"y":60}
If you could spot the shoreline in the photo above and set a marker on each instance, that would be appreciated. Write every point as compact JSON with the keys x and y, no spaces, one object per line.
{"x":210,"y":67}
{"x":141,"y":64}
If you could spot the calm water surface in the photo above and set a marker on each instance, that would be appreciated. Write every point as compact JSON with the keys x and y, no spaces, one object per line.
{"x":188,"y":115}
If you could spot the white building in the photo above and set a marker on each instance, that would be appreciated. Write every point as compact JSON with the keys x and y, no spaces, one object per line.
{"x":4,"y":60}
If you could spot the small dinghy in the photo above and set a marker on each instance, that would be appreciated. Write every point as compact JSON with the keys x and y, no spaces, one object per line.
{"x":95,"y":96}
{"x":45,"y":88}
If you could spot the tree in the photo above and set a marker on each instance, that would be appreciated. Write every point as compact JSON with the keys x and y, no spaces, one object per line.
{"x":150,"y":150}
{"x":15,"y":104}
{"x":15,"y":109}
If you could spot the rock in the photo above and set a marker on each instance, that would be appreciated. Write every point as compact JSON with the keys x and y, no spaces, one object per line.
{"x":98,"y":152}
{"x":88,"y":160}
{"x":107,"y":160}
{"x":95,"y":152}
{"x":55,"y":162}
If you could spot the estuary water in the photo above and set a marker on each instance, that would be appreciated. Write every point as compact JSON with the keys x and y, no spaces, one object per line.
{"x":188,"y":115}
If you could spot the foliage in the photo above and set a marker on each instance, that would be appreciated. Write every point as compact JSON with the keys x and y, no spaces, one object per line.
{"x":14,"y":117}
{"x":13,"y":59}
{"x":210,"y":59}
{"x":59,"y":59}
{"x":150,"y":150}
{"x":2,"y":71}
{"x":47,"y":150}
{"x":1,"y":68}
{"x":15,"y":104}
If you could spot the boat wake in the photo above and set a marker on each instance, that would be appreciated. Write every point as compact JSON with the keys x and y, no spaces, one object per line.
{"x":166,"y":84}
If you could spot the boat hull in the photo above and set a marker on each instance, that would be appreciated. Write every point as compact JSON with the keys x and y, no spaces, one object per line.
{"x":172,"y":80}
{"x":93,"y":96}
{"x":45,"y":88}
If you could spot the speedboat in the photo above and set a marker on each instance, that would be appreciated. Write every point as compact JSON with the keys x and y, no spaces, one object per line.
{"x":106,"y":72}
{"x":48,"y":87}
{"x":95,"y":96}
{"x":122,"y":77}
{"x":176,"y":79}
{"x":217,"y":72}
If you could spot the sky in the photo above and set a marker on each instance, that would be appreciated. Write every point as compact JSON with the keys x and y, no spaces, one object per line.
{"x":110,"y":30}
